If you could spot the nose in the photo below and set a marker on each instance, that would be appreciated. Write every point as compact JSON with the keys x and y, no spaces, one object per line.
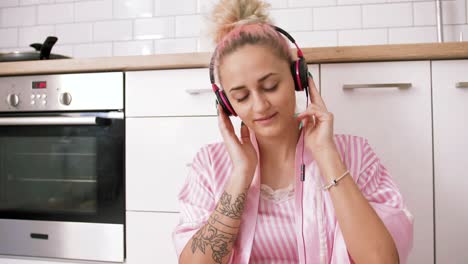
{"x":260,"y":103}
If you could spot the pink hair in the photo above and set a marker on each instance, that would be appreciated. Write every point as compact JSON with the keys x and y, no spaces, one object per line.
{"x":254,"y":34}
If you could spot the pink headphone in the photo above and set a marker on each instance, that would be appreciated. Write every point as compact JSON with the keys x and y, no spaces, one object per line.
{"x":298,"y":69}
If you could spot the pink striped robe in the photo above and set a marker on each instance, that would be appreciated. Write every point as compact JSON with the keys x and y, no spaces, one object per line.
{"x":323,"y":241}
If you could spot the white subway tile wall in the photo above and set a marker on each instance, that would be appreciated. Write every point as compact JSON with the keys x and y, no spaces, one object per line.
{"x":363,"y":37}
{"x":424,"y":13}
{"x":454,"y":12}
{"x":131,"y":9}
{"x":102,"y":28}
{"x":188,"y":26}
{"x":316,"y":38}
{"x":293,"y":19}
{"x":176,"y":45}
{"x":387,"y":15}
{"x":154,"y":28}
{"x":411,"y":35}
{"x":129,"y":48}
{"x":340,"y":17}
{"x":34,"y":34}
{"x":9,"y":37}
{"x":5,"y":3}
{"x":113,"y":30}
{"x":74,"y":33}
{"x":55,"y":14}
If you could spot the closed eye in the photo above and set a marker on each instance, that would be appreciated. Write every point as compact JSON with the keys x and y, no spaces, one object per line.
{"x":242,"y":99}
{"x":269,"y":89}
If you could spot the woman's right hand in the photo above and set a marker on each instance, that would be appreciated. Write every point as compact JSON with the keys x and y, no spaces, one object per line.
{"x":242,"y":152}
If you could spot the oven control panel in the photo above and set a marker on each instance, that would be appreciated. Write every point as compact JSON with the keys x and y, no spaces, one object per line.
{"x":62,"y":92}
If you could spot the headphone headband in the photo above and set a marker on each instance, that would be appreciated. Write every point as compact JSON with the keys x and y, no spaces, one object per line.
{"x":280,"y":30}
{"x":212,"y":61}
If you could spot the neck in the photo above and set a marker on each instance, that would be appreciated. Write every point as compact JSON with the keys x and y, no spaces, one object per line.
{"x":280,"y":148}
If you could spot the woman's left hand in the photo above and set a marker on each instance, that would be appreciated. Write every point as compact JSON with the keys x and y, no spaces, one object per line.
{"x":317,"y":122}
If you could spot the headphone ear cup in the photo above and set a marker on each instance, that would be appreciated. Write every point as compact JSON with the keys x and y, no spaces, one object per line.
{"x":225,"y":104}
{"x":297,"y":85}
{"x":299,"y":72}
{"x":303,"y":73}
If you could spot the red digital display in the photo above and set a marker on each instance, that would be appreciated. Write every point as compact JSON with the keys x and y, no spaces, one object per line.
{"x":39,"y":85}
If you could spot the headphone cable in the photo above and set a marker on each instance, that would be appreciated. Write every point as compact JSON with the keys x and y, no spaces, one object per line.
{"x":302,"y":185}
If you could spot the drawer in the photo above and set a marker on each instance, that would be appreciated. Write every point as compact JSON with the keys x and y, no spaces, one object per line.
{"x":159,"y":152}
{"x":181,"y":92}
{"x":149,"y":237}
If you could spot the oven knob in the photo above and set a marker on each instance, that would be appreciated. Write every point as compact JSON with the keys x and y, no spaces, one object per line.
{"x":13,"y":100}
{"x":65,"y":98}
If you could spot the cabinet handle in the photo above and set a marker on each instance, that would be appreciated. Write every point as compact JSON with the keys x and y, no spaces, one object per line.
{"x":198,"y":91}
{"x":377,"y":85}
{"x":462,"y":84}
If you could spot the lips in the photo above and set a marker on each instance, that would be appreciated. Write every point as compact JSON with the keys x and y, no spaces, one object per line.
{"x":265,"y":118}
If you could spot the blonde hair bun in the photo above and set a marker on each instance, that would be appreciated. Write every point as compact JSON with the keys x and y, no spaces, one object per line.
{"x":228,"y":14}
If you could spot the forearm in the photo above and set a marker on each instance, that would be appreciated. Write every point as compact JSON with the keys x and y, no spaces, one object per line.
{"x":214,"y":241}
{"x":365,"y":235}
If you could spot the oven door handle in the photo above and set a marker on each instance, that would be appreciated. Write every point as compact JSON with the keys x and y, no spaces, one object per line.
{"x":54,"y":120}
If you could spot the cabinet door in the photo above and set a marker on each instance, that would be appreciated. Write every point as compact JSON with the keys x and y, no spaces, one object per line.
{"x":397,"y":123}
{"x":159,"y":153}
{"x":149,"y":237}
{"x":450,"y":158}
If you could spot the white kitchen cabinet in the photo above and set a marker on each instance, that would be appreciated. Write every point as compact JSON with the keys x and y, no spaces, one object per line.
{"x":159,"y":153}
{"x":397,"y":123}
{"x":450,"y":157}
{"x":149,"y":237}
{"x":181,"y":92}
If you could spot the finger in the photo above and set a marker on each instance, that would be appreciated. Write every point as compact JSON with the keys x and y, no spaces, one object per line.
{"x":306,"y":120}
{"x":225,"y":125}
{"x":315,"y":97}
{"x":313,"y":116}
{"x":314,"y":113}
{"x":311,"y":109}
{"x":224,"y":119}
{"x":245,"y":134}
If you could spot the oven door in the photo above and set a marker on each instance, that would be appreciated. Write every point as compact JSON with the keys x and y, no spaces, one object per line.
{"x":62,"y":168}
{"x":62,"y":179}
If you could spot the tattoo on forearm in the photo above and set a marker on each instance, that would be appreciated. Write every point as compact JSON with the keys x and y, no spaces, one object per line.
{"x":215,"y":218}
{"x":212,"y":237}
{"x":220,"y":239}
{"x":231,"y":210}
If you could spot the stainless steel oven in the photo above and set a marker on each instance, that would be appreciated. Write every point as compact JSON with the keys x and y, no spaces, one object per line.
{"x":62,"y":166}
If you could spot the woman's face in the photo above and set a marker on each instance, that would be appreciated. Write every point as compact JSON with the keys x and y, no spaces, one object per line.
{"x":260,"y":87}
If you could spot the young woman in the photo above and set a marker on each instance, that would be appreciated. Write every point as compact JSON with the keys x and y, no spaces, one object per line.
{"x":282,"y":192}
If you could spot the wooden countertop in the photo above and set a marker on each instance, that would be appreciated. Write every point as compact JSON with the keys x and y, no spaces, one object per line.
{"x":400,"y":52}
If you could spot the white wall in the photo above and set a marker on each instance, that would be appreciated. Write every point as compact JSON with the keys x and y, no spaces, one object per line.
{"x":97,"y":28}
